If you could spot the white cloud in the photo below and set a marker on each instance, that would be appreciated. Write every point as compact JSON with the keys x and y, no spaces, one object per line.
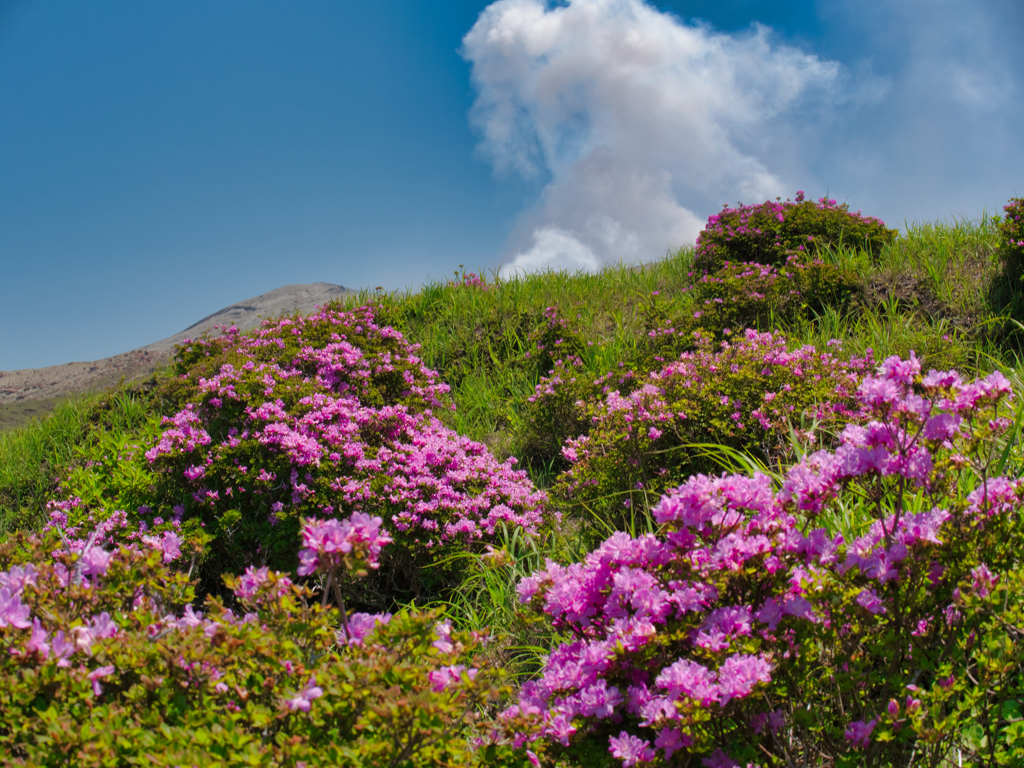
{"x":634,"y":119}
{"x":638,"y":125}
{"x":555,"y":249}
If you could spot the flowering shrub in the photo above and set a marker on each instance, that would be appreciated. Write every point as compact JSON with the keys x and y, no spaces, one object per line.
{"x":320,"y":417}
{"x":552,"y":341}
{"x":555,"y":411}
{"x":771,"y":232}
{"x":751,"y":295}
{"x":109,"y":661}
{"x":744,"y":394}
{"x":106,"y":661}
{"x":1011,"y":228}
{"x":737,"y":296}
{"x":743,"y":632}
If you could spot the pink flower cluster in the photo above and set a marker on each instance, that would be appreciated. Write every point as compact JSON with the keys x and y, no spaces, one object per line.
{"x":470,"y":280}
{"x":73,"y":642}
{"x":748,"y":391}
{"x":329,"y":545}
{"x":46,"y":640}
{"x":766,"y":230}
{"x":1012,"y":225}
{"x":330,"y":415}
{"x":747,"y":282}
{"x":184,"y":432}
{"x":255,"y":582}
{"x":709,"y":613}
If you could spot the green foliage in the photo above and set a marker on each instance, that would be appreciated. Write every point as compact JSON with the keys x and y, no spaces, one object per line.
{"x":753,"y":295}
{"x":168,"y":689}
{"x":488,"y":599}
{"x":34,"y":457}
{"x":987,"y":692}
{"x":753,"y":396}
{"x":749,"y":295}
{"x":1011,"y":230}
{"x":555,"y":413}
{"x":771,"y":232}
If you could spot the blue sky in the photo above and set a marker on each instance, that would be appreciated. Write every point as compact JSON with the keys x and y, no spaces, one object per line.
{"x":161,"y":160}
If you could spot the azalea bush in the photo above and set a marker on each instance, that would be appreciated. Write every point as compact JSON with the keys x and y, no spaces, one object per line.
{"x":752,"y":295}
{"x":771,"y":232}
{"x":749,"y":394}
{"x":739,"y":296}
{"x":107,"y":661}
{"x":319,"y":416}
{"x":1011,"y":231}
{"x":747,"y":631}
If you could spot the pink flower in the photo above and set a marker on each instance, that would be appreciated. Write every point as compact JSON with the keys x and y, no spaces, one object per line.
{"x":445,"y":677}
{"x":362,"y":624}
{"x":859,"y":732}
{"x":983,"y":580}
{"x":719,"y":759}
{"x":62,"y":649}
{"x":739,"y":674}
{"x":327,"y":542}
{"x":169,"y":543}
{"x":304,"y":699}
{"x":443,"y":631}
{"x":18,"y":576}
{"x":96,"y":675}
{"x":36,"y":642}
{"x":13,"y":612}
{"x":95,"y":561}
{"x":868,"y":600}
{"x":671,"y":740}
{"x":690,"y":679}
{"x":630,"y":749}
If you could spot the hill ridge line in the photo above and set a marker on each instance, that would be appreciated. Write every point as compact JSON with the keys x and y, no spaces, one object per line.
{"x":55,"y":381}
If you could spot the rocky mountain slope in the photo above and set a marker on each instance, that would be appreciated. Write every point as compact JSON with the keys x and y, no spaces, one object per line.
{"x":56,"y":381}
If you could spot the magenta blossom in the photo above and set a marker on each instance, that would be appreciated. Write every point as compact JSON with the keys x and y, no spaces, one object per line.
{"x":360,"y":625}
{"x":630,"y":750}
{"x":329,"y":544}
{"x":859,"y":732}
{"x":98,"y":674}
{"x":303,"y":700}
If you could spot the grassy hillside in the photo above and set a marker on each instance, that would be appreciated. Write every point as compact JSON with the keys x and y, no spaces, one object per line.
{"x":936,"y":290}
{"x":931,"y":291}
{"x":609,"y":390}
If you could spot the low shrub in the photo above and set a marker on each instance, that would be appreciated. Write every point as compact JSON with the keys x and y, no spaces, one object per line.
{"x":752,"y":295}
{"x":552,"y":341}
{"x":746,"y":295}
{"x":743,"y":632}
{"x":771,"y":232}
{"x":746,"y":394}
{"x":319,"y":416}
{"x":107,"y":662}
{"x":556,"y":411}
{"x":1011,"y":231}
{"x":738,"y":296}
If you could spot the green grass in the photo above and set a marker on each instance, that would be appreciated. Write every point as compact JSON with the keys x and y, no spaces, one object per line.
{"x":934,"y":290}
{"x":33,"y":457}
{"x":482,"y":341}
{"x":21,"y":412}
{"x":478,"y":339}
